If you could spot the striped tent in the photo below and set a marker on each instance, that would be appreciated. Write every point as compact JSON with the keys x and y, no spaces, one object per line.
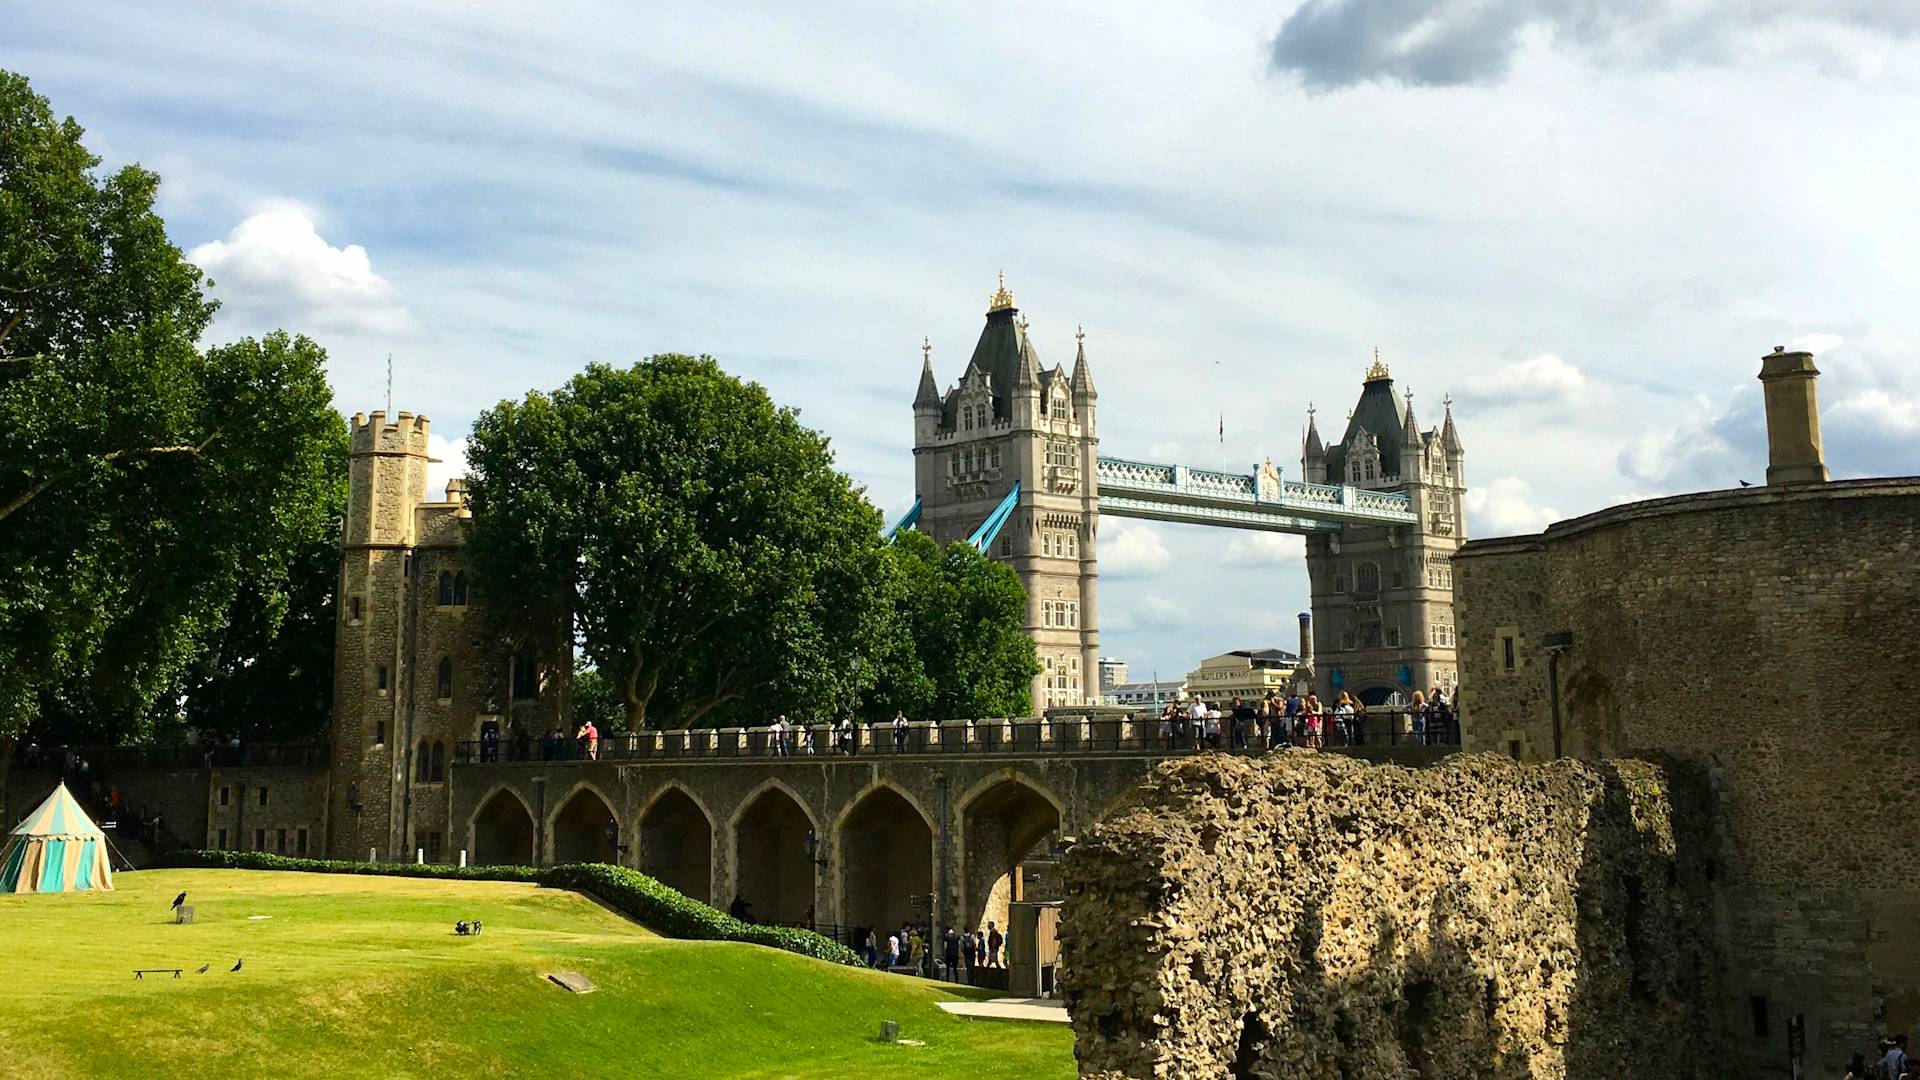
{"x":57,"y":848}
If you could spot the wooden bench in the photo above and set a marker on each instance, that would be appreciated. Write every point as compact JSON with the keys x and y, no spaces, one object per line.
{"x":141,"y":973}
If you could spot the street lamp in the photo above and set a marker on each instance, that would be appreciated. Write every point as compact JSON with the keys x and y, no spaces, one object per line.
{"x":1556,"y":642}
{"x":812,"y":844}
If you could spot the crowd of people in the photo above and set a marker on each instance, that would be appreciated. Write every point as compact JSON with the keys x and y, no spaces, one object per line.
{"x":911,"y":948}
{"x":1304,"y":720}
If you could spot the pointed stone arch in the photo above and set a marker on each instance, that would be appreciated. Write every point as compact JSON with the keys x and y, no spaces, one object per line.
{"x":882,"y":859}
{"x":500,"y":829}
{"x":674,"y":834}
{"x":583,"y":826}
{"x":770,"y":868}
{"x":1003,"y":818}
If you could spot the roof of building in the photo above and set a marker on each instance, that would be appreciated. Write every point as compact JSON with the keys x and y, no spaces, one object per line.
{"x":999,"y":353}
{"x":1148,"y":687}
{"x":1267,"y":657}
{"x":1379,"y":413}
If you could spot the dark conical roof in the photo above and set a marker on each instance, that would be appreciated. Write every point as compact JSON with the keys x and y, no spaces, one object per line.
{"x":1377,"y":412}
{"x":998,"y":353}
{"x":1082,"y":371}
{"x":929,"y":393}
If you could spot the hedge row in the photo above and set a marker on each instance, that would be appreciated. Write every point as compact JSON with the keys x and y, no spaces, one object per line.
{"x":678,"y":915}
{"x":664,"y":910}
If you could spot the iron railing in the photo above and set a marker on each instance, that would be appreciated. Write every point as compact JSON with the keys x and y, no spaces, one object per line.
{"x":1113,"y":735}
{"x":63,"y":759}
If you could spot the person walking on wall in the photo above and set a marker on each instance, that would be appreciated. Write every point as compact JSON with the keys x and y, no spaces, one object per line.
{"x":589,"y":739}
{"x":845,"y":734}
{"x":899,"y":732}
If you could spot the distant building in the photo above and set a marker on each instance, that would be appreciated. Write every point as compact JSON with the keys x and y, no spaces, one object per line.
{"x":1247,"y":673}
{"x":1146,"y":693}
{"x":1113,"y":672}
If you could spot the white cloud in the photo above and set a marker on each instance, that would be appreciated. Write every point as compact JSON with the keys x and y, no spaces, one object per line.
{"x":1819,"y":343}
{"x":1131,"y":549}
{"x":274,"y":266}
{"x":1545,"y":379}
{"x":1699,"y":451}
{"x":1506,"y":507}
{"x":1896,"y":413}
{"x":449,"y":462}
{"x":1263,"y":549}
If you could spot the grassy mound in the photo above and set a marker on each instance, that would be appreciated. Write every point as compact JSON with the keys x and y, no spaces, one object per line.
{"x":363,"y":976}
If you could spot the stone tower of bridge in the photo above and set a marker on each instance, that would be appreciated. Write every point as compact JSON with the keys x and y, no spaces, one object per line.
{"x":1010,"y":420}
{"x":1383,"y":595}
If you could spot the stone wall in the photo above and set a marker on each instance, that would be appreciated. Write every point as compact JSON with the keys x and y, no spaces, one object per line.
{"x":1307,"y":916}
{"x":1770,"y":635}
{"x":281,"y":809}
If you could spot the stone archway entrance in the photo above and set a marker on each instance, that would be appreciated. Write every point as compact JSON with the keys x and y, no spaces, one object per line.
{"x":1003,"y":825}
{"x":884,"y":858}
{"x":503,"y":832}
{"x":584,"y":829}
{"x":772,"y":870}
{"x":676,"y":845}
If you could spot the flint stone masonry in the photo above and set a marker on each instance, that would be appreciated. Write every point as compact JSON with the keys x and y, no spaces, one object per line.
{"x":1304,"y":916}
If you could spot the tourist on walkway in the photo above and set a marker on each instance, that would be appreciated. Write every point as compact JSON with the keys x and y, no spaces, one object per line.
{"x":994,"y":943}
{"x":846,"y":734}
{"x":1894,"y":1063}
{"x":1197,"y":722}
{"x":781,"y":748}
{"x":872,"y":950}
{"x":1288,"y":727}
{"x":1310,"y":720}
{"x":806,"y":739}
{"x":1417,"y":717}
{"x":589,"y":739}
{"x":893,"y":951}
{"x":899,"y":732}
{"x":950,"y":952}
{"x":1344,"y":715}
{"x":979,"y":948}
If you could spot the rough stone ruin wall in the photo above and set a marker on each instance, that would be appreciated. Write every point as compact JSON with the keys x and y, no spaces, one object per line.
{"x":1308,"y":916}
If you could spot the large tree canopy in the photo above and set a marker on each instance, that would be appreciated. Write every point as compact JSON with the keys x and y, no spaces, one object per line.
{"x":956,"y":644}
{"x":694,"y":538}
{"x":143,"y":482}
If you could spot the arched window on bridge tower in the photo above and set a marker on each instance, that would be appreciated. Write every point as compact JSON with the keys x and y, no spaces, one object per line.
{"x":1366,"y":579}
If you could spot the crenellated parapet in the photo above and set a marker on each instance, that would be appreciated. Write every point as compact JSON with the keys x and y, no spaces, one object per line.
{"x":373,"y":433}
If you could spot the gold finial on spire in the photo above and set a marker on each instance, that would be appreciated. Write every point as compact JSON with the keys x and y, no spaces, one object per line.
{"x":1002,"y":300}
{"x":1378,"y":370}
{"x":926,"y":349}
{"x":1448,"y":402}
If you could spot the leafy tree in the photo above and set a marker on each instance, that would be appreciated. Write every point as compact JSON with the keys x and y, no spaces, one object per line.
{"x":692,"y":536}
{"x":956,"y":646}
{"x":143,"y":482}
{"x":594,"y":699}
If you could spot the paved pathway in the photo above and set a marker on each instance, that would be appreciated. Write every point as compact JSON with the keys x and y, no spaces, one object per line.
{"x":1046,"y":1010}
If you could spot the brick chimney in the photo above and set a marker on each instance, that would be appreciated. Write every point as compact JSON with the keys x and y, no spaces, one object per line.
{"x":1793,"y":418}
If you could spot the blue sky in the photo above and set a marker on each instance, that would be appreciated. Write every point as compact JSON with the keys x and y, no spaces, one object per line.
{"x":1585,"y":230}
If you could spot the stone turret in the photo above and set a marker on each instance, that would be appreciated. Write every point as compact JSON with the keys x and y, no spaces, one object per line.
{"x":1794,"y":454}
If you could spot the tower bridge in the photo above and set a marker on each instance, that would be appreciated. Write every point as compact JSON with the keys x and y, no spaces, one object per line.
{"x":1007,"y":459}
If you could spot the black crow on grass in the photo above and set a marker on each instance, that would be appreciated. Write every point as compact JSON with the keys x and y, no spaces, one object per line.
{"x":178,"y":900}
{"x":236,"y":964}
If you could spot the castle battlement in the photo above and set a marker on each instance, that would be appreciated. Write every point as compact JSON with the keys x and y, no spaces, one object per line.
{"x":372,"y":433}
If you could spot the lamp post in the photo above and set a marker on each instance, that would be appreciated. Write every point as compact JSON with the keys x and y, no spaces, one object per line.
{"x":1556,"y":642}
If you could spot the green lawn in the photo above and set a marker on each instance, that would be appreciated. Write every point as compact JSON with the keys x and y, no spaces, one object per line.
{"x":363,"y":976}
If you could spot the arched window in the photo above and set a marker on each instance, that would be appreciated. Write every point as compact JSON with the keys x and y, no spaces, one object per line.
{"x":443,"y":682}
{"x":439,"y":770}
{"x":446,"y":588}
{"x":1366,"y":578}
{"x":460,"y":589}
{"x":422,"y":764}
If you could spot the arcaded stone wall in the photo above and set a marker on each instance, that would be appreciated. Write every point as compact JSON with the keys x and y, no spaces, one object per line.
{"x":1771,"y":635}
{"x":1307,"y":916}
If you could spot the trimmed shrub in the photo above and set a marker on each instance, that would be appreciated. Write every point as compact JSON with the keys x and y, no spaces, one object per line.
{"x":260,"y":860}
{"x":675,"y":914}
{"x":660,"y":908}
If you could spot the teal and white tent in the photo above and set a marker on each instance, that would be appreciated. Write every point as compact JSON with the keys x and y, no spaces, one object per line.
{"x":57,"y":848}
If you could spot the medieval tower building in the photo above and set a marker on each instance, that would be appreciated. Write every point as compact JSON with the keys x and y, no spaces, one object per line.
{"x":1011,"y":422}
{"x":414,"y":674}
{"x":1383,"y":596}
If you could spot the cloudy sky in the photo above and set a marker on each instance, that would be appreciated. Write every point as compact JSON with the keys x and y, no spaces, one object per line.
{"x":1584,"y":222}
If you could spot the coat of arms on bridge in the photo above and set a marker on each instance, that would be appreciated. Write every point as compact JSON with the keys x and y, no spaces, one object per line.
{"x":1268,"y":481}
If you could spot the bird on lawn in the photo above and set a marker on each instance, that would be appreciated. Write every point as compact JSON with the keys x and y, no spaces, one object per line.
{"x":236,"y":964}
{"x":203,"y":969}
{"x":178,"y":900}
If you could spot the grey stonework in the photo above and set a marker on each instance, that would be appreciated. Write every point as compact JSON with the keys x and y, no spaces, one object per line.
{"x":1770,"y":634}
{"x":1307,"y":916}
